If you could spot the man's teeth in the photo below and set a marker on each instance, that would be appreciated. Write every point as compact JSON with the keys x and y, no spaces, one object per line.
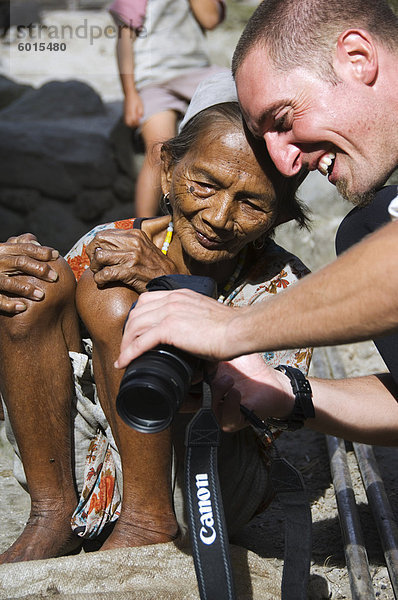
{"x":325,"y":162}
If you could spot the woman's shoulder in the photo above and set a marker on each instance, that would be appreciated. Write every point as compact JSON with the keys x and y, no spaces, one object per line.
{"x":77,"y":257}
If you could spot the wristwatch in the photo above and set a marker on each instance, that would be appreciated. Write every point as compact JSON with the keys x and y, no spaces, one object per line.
{"x":303,"y":407}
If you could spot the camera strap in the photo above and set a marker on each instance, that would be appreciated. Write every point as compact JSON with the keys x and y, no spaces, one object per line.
{"x":207,"y":527}
{"x":290,"y":490}
{"x":209,"y":536}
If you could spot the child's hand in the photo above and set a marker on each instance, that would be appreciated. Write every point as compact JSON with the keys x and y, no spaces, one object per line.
{"x":133,"y":109}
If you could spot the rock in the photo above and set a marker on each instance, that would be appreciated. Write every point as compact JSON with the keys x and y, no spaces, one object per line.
{"x":4,"y":17}
{"x":118,"y":213}
{"x":11,"y":91}
{"x":61,"y":134}
{"x":10,"y":224}
{"x":122,"y":141}
{"x":56,"y":100}
{"x":123,"y":187}
{"x":19,"y":13}
{"x":90,"y":204}
{"x":87,"y":155}
{"x":24,"y":13}
{"x":57,"y":159}
{"x":24,"y":164}
{"x":54,"y":225}
{"x":57,"y":146}
{"x":20,"y":200}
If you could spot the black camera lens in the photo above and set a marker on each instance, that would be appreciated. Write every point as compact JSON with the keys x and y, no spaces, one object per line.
{"x":153,"y":388}
{"x":155,"y":384}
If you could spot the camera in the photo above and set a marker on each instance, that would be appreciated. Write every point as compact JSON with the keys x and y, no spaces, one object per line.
{"x":155,"y":384}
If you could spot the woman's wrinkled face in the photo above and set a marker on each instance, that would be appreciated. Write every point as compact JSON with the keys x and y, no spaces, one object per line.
{"x":221,"y":197}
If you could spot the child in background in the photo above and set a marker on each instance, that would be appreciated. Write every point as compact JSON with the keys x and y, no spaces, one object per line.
{"x":162,"y":57}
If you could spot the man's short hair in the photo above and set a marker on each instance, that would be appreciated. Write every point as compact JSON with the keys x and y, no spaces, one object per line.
{"x":304,"y":33}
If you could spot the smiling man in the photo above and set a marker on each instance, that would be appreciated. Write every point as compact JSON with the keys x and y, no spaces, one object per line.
{"x":318,"y":80}
{"x":320,"y":86}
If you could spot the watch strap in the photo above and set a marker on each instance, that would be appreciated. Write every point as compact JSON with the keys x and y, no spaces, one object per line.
{"x":303,"y":406}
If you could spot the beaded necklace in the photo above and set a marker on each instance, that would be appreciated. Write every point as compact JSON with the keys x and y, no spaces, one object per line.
{"x":167,"y":239}
{"x":235,"y":275}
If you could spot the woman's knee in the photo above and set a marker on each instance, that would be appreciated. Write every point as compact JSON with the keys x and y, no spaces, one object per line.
{"x":103,"y":310}
{"x":40,"y":314}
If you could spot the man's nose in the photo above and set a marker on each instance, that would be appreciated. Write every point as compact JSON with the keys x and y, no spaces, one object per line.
{"x":286,"y":156}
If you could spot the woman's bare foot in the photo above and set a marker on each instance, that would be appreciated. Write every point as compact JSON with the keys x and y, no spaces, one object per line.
{"x":141,"y":532}
{"x":47,"y":534}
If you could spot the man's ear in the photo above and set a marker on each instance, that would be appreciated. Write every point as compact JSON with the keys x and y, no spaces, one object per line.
{"x":356,"y":56}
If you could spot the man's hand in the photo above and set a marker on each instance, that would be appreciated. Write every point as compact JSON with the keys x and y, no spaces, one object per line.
{"x":128,"y":257}
{"x":182,"y":318}
{"x":249,"y":381}
{"x":23,"y":261}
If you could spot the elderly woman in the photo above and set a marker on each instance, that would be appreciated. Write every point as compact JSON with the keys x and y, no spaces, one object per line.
{"x":59,"y":342}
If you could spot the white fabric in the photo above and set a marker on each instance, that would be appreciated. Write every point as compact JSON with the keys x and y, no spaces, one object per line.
{"x":393,"y":208}
{"x":216,"y":89}
{"x":170,"y":42}
{"x":158,"y":571}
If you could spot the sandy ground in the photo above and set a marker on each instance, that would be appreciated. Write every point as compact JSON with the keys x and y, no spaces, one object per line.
{"x":93,"y":61}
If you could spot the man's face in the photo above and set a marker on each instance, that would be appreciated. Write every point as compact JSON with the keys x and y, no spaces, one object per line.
{"x":305,"y":121}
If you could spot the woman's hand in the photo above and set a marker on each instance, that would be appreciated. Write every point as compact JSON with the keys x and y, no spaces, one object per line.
{"x":23,"y":264}
{"x":128,"y":257}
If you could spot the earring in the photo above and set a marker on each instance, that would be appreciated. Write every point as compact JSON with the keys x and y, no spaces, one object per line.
{"x":166,"y":204}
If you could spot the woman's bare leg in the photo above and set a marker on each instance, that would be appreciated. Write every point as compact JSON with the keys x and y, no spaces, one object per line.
{"x":147,"y":515}
{"x":36,"y":383}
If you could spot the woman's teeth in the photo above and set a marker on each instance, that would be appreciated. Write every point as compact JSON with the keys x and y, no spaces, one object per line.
{"x":325,"y":163}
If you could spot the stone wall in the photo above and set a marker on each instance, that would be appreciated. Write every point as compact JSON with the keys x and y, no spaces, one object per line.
{"x":66,"y":161}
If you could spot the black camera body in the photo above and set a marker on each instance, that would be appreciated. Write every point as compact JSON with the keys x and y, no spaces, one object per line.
{"x":155,"y":384}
